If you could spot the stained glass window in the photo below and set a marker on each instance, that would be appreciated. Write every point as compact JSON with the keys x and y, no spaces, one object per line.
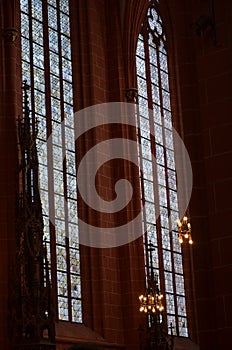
{"x":157,"y":161}
{"x":47,"y":67}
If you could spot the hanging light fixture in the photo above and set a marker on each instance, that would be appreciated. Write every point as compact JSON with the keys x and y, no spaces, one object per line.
{"x":151,"y":300}
{"x":151,"y":305}
{"x":184,"y":230}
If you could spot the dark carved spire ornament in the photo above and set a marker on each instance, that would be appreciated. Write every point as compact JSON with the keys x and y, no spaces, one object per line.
{"x":32,"y":306}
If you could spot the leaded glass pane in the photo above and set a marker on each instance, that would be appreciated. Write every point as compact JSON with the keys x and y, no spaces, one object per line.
{"x":55,"y":107}
{"x":154,"y":75}
{"x":61,"y":260}
{"x":161,"y":175}
{"x":52,"y":17}
{"x":158,"y":134}
{"x":172,"y":179}
{"x":72,"y":206}
{"x":24,"y":25}
{"x":44,"y":201}
{"x":183,"y":327}
{"x":152,"y":53}
{"x":171,"y":319}
{"x":37,"y":9}
{"x":142,"y":87}
{"x":168,"y":282}
{"x":40,"y":108}
{"x":63,"y":308}
{"x":166,"y":238}
{"x":143,"y":107}
{"x":74,"y":261}
{"x":57,"y":157}
{"x":26,"y":71}
{"x":167,"y":260}
{"x":64,"y":7}
{"x":53,"y":40}
{"x":162,"y":195}
{"x":164,"y":217}
{"x":167,"y":119}
{"x":67,"y":70}
{"x":151,"y":228}
{"x":70,"y":140}
{"x":178,"y":263}
{"x":145,"y":127}
{"x":37,"y":32}
{"x":164,"y":81}
{"x":70,"y":162}
{"x":77,"y":310}
{"x":146,"y":148}
{"x":180,"y":284}
{"x":73,"y":235}
{"x":54,"y":63}
{"x":163,"y":61}
{"x":169,"y":138}
{"x":175,"y":242}
{"x":148,"y":191}
{"x":64,"y":22}
{"x":71,"y":188}
{"x":43,"y":177}
{"x":60,"y":232}
{"x":24,"y":5}
{"x":166,"y":99}
{"x":75,"y":286}
{"x":173,"y":200}
{"x":58,"y":181}
{"x":66,"y":47}
{"x":55,"y":86}
{"x":170,"y":159}
{"x":170,"y":303}
{"x":141,"y":68}
{"x":39,"y":78}
{"x":155,"y":93}
{"x":150,"y":212}
{"x":147,"y":170}
{"x":59,"y":206}
{"x":157,"y":114}
{"x":62,"y":284}
{"x":140,"y":48}
{"x":155,"y":257}
{"x":56,"y":133}
{"x":68,"y":95}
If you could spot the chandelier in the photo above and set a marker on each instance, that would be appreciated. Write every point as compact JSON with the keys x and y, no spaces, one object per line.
{"x":184,"y":230}
{"x":151,"y":301}
{"x":151,"y":305}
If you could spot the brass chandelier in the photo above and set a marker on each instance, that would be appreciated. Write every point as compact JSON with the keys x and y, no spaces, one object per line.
{"x":151,"y":301}
{"x":184,"y":230}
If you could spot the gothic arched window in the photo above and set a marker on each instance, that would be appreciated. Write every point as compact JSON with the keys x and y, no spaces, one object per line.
{"x":158,"y":179}
{"x":47,"y":67}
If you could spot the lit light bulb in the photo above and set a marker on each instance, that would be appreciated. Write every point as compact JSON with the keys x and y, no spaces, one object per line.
{"x":185,"y":218}
{"x":190,"y":241}
{"x":186,"y":235}
{"x":141,"y":309}
{"x":180,"y":240}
